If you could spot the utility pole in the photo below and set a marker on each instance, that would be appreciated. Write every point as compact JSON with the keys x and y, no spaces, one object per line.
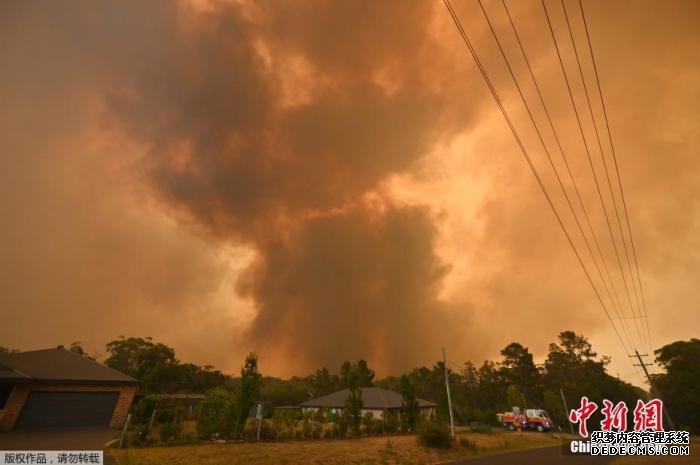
{"x":644,"y":366}
{"x":522,"y":394}
{"x":449,"y":396}
{"x":566,"y":410}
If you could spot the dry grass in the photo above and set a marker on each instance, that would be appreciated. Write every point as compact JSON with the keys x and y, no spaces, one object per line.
{"x":394,"y":450}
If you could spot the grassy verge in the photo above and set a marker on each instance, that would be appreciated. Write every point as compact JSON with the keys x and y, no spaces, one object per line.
{"x":394,"y":450}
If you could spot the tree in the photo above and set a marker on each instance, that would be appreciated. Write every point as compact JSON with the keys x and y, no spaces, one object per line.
{"x":345,"y":370}
{"x":410,"y":404}
{"x":214,"y":412}
{"x":156,"y":368}
{"x":574,"y":366}
{"x":323,"y":382}
{"x":353,"y":402}
{"x":492,"y":388}
{"x":365,"y":376}
{"x":514,"y":397}
{"x":6,"y":350}
{"x":249,"y":390}
{"x":142,"y":359}
{"x":553,"y":405}
{"x":518,"y":368}
{"x":679,"y":387}
{"x":77,"y":348}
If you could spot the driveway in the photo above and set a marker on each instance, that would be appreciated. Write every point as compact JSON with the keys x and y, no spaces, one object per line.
{"x":547,"y":455}
{"x":59,"y":439}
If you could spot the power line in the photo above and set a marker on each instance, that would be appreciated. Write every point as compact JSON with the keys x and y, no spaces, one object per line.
{"x":605,"y":167}
{"x":494,"y":93}
{"x":617,"y":170}
{"x":561,"y":150}
{"x":588,"y":152}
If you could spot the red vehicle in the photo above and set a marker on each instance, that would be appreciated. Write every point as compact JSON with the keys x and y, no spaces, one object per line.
{"x":536,"y":419}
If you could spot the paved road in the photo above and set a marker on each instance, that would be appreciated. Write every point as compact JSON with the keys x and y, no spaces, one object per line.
{"x":544,"y":456}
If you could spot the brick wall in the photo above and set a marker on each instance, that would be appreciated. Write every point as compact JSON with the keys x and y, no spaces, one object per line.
{"x":18,"y":396}
{"x":123,"y":404}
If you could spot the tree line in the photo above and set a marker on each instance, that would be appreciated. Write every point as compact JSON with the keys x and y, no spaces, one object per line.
{"x":571,"y":368}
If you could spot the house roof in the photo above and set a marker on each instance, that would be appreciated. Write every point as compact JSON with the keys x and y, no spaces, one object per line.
{"x":372,"y":398}
{"x":59,"y":366}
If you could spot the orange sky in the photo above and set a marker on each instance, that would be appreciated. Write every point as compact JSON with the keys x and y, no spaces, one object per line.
{"x":322,"y":181}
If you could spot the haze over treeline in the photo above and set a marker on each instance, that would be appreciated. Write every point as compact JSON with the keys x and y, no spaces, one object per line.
{"x":572,"y":368}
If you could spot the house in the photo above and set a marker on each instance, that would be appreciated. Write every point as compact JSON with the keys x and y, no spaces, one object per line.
{"x":375,"y":400}
{"x":56,"y":388}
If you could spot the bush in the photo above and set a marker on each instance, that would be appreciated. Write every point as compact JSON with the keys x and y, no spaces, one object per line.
{"x":342,"y":426}
{"x":268,"y":432}
{"x":170,"y":432}
{"x":391,"y":422}
{"x":139,"y":435}
{"x":488,"y":417}
{"x":477,"y":427}
{"x":435,"y":436}
{"x":215,"y":413}
{"x":335,"y":430}
{"x":376,"y":427}
{"x":286,"y":421}
{"x":467,"y":444}
{"x":306,"y":427}
{"x":142,"y":410}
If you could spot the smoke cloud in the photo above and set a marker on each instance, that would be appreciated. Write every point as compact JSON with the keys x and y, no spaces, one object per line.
{"x":321,"y":181}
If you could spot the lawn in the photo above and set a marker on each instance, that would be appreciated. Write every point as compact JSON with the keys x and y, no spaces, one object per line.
{"x":391,"y":450}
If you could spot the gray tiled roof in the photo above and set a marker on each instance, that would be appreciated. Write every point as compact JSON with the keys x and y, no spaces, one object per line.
{"x":372,"y":398}
{"x":58,"y":365}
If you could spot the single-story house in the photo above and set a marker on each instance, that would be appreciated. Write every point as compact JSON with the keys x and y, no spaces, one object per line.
{"x":375,"y":400}
{"x":56,"y":388}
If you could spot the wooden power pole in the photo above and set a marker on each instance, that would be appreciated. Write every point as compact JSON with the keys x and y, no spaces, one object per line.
{"x":644,"y":366}
{"x":449,"y":396}
{"x":566,"y":410}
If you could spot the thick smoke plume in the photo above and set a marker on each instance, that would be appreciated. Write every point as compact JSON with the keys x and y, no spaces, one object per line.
{"x":323,"y":180}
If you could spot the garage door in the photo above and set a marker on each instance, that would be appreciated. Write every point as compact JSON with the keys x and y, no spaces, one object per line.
{"x":58,"y":409}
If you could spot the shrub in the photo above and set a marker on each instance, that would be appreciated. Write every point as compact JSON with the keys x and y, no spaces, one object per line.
{"x":142,"y":410}
{"x":286,"y":421}
{"x":467,"y":444}
{"x":335,"y":430}
{"x":268,"y":432}
{"x":320,"y":416}
{"x":435,"y":436}
{"x":215,"y":412}
{"x":342,"y":426}
{"x":391,"y":422}
{"x":170,"y":432}
{"x":306,"y":426}
{"x":477,"y":427}
{"x":367,"y":419}
{"x":488,"y":417}
{"x":139,"y":435}
{"x":376,"y":426}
